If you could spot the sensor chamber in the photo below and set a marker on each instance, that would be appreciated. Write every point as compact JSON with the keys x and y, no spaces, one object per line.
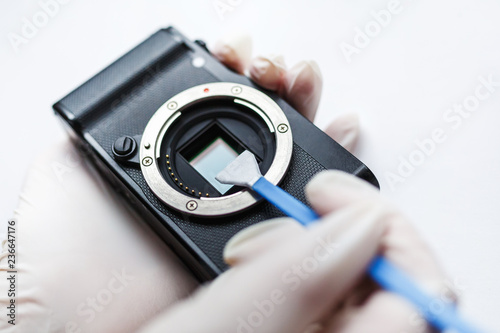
{"x":198,"y":132}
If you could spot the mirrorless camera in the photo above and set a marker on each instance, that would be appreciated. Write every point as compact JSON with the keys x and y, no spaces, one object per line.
{"x":164,"y":119}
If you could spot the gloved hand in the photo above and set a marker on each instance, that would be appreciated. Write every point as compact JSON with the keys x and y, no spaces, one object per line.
{"x":288,"y":279}
{"x":85,"y":262}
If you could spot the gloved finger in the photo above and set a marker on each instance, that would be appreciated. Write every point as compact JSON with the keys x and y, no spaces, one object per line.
{"x":302,"y":88}
{"x":292,"y":285}
{"x":402,"y":244}
{"x":258,"y":238}
{"x":234,"y":51}
{"x":383,"y":312}
{"x":332,"y":190}
{"x":345,"y":130}
{"x":268,"y":72}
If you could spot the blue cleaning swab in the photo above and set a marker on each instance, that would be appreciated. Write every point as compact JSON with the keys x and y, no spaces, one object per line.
{"x":244,"y":171}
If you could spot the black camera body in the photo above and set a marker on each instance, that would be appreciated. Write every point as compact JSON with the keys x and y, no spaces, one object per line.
{"x":161,"y":120}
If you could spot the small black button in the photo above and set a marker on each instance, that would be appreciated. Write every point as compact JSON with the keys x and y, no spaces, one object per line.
{"x":202,"y":44}
{"x":124,"y":147}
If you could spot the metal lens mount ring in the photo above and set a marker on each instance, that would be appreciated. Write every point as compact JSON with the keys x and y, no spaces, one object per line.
{"x":164,"y":117}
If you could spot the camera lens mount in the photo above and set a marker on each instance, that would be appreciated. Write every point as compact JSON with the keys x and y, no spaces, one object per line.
{"x":194,"y":134}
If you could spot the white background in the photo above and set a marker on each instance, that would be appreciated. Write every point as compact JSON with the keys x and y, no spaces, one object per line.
{"x":428,"y":58}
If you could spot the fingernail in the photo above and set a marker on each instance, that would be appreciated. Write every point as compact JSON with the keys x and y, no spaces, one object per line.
{"x":268,"y":72}
{"x":315,"y":67}
{"x":314,"y":328}
{"x":345,"y":130}
{"x":324,"y":181}
{"x":303,"y":87}
{"x":234,"y":51}
{"x":308,"y":68}
{"x":332,"y":189}
{"x":257,"y":238}
{"x":260,"y":66}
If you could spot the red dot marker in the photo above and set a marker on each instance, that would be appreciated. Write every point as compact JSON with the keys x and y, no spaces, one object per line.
{"x":206,"y":90}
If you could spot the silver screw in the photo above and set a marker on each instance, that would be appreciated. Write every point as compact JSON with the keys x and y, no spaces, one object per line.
{"x":192,"y":205}
{"x":172,"y":106}
{"x":147,"y":146}
{"x":282,"y":128}
{"x":147,"y":161}
{"x":236,"y":90}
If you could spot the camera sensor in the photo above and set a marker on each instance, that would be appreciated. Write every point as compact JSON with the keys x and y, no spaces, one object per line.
{"x":210,"y":159}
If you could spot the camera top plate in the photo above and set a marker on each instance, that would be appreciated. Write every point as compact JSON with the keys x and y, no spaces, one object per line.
{"x":255,"y":101}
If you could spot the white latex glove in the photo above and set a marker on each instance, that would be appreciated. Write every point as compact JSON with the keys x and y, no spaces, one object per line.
{"x":288,"y":279}
{"x":88,"y":264}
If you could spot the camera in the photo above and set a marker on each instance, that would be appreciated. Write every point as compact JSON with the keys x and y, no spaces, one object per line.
{"x":161,"y":122}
